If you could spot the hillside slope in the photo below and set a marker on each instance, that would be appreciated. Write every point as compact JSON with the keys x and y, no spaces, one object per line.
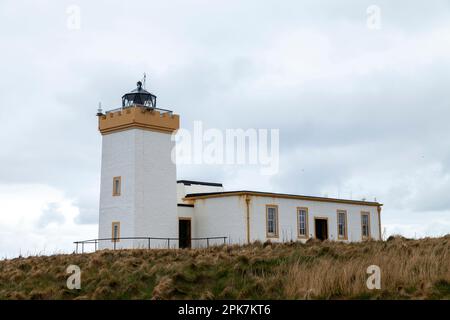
{"x":410,"y":269}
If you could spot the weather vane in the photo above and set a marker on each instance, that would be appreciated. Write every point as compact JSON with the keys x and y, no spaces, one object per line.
{"x":144,"y":79}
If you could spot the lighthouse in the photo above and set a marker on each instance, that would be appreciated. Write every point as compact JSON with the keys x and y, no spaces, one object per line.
{"x":138,"y":192}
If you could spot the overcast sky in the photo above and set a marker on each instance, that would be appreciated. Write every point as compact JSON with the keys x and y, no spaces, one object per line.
{"x":362,"y":112}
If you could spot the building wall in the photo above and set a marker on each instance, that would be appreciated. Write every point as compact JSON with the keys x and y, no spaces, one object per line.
{"x":118,"y":159}
{"x":147,"y":205}
{"x":221,"y":217}
{"x":156,"y":199}
{"x":226,"y":216}
{"x":183,"y":190}
{"x":287,"y":218}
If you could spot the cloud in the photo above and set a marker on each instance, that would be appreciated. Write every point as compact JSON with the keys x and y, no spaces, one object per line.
{"x":38,"y":219}
{"x":51,"y":214}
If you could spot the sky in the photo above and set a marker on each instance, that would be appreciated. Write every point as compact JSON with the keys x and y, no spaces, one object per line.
{"x":361,"y":105}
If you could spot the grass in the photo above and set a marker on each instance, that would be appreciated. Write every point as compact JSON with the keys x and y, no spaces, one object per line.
{"x":410,"y":269}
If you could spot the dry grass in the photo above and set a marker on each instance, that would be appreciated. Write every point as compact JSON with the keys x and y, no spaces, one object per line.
{"x":410,"y":269}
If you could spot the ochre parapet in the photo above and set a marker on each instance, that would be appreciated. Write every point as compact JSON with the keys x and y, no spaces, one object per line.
{"x":138,"y":117}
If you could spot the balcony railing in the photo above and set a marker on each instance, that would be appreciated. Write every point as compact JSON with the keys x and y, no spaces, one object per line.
{"x":161,"y":110}
{"x":146,"y":242}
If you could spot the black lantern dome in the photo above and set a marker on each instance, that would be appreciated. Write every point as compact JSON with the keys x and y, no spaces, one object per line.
{"x":139,"y":96}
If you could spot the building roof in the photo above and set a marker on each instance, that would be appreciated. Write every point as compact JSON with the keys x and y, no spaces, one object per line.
{"x":190,"y":182}
{"x":185,"y":205}
{"x":195,"y":196}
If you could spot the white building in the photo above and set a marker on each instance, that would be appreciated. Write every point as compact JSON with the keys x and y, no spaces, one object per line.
{"x":141,"y":198}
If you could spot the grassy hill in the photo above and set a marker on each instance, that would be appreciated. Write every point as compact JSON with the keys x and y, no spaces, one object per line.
{"x":410,"y":269}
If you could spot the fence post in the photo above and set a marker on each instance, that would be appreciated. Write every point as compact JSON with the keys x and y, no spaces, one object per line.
{"x":207,"y":242}
{"x":82,"y":247}
{"x":115,"y":244}
{"x":149,"y":243}
{"x":168,"y":243}
{"x":95,"y":245}
{"x":224,"y":240}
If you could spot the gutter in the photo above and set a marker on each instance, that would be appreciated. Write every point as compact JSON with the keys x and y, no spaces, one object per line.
{"x":247,"y":203}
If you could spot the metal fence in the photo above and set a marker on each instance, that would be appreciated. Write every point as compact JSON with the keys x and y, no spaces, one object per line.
{"x":148,"y":242}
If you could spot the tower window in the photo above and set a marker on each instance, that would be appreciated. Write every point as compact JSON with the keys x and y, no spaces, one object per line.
{"x":115,"y":231}
{"x":342,"y":224}
{"x":116,"y":186}
{"x":272,"y":221}
{"x":302,"y":222}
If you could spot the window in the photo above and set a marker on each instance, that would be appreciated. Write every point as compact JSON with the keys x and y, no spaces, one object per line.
{"x":342,"y":224}
{"x":302,"y":222}
{"x":115,"y":231}
{"x":116,"y":186}
{"x":365,"y":225}
{"x":272,"y":221}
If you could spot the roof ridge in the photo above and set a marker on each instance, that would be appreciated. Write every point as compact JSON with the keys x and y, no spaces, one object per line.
{"x":203,"y":183}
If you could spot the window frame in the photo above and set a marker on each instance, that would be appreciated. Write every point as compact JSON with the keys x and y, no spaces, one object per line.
{"x":276,"y":234}
{"x":306,"y":235}
{"x":116,"y":193}
{"x":113,"y":224}
{"x":345,"y":236}
{"x":365,"y":213}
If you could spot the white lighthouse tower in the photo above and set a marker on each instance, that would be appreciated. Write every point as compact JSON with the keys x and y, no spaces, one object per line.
{"x":138,"y":196}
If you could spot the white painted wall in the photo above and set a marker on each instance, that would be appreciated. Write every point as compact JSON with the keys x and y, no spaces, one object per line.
{"x":118,"y":159}
{"x":186,"y":212}
{"x":226,"y":216}
{"x":156,"y":206}
{"x":183,"y":190}
{"x":147,"y":206}
{"x":222,"y":216}
{"x":287,"y":215}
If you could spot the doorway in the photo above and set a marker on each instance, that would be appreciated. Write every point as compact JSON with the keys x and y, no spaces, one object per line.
{"x":184,"y":233}
{"x":321,"y":228}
